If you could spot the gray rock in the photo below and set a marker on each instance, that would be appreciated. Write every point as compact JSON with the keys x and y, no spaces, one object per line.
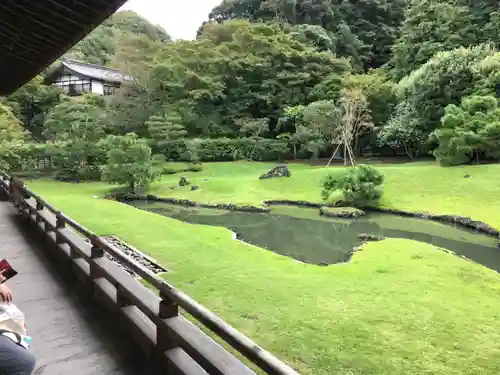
{"x":370,"y":237}
{"x":279,"y":171}
{"x":183,"y":181}
{"x":346,"y":212}
{"x":194,"y":187}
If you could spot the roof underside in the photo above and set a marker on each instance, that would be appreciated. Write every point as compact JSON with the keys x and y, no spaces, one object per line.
{"x":34,"y":33}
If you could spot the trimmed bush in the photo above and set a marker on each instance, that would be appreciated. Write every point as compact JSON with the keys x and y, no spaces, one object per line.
{"x":360,"y":185}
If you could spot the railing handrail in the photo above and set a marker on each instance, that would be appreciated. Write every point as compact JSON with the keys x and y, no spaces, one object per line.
{"x":244,"y":345}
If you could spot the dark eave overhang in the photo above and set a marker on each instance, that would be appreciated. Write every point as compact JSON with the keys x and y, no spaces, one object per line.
{"x":34,"y":33}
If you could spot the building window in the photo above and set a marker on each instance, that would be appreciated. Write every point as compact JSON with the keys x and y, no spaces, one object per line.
{"x":109,"y":89}
{"x":78,"y":88}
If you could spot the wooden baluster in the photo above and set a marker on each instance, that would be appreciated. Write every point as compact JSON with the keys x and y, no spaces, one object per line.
{"x":96,"y":252}
{"x":122,"y":299}
{"x":39,"y":207}
{"x":60,"y":224}
{"x":168,"y":309}
{"x":4,"y":190}
{"x":15,"y":194}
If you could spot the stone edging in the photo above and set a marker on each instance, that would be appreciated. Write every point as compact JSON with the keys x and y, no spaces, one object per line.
{"x":463,"y":221}
{"x":285,"y":202}
{"x":366,"y":237}
{"x":189,"y":203}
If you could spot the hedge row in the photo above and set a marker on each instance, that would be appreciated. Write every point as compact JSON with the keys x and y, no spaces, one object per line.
{"x":225,"y":149}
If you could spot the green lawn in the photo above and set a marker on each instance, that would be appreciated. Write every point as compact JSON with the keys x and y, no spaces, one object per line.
{"x":399,"y":307}
{"x":412,"y":187}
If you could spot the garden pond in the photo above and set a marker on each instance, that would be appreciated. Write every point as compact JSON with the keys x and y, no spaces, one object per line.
{"x":301,"y":233}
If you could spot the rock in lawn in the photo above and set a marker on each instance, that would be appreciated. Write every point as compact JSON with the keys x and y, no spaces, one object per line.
{"x":279,"y":171}
{"x":194,"y":187}
{"x":183,"y":181}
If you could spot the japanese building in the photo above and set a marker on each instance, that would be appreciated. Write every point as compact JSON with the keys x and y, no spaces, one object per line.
{"x":35,"y":33}
{"x":76,"y":78}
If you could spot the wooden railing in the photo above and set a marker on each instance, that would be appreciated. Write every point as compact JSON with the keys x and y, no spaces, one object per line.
{"x":155,"y":320}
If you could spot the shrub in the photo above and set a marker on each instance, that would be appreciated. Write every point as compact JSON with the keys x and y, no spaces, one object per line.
{"x":194,"y":167}
{"x":77,"y":160}
{"x":18,"y":155}
{"x":129,"y":162}
{"x":360,"y":186}
{"x":169,"y":170}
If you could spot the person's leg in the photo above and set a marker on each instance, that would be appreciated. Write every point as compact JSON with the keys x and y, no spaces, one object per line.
{"x":14,"y":359}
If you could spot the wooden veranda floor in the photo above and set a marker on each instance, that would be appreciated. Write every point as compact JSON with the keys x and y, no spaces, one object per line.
{"x":71,"y":334}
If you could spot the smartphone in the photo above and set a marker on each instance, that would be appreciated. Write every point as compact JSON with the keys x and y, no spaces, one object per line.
{"x":6,"y":271}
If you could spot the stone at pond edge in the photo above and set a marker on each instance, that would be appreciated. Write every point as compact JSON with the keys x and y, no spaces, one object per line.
{"x":370,"y":237}
{"x":188,"y":203}
{"x":194,"y":187}
{"x":183,"y":181}
{"x":352,"y":213}
{"x":279,"y":171}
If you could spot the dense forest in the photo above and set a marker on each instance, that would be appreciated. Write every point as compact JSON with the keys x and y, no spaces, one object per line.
{"x":272,"y":80}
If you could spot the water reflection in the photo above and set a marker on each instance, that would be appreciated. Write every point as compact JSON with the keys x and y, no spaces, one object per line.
{"x":302,"y":234}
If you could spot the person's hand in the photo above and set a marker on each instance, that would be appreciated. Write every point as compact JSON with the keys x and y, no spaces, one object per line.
{"x":5,"y":293}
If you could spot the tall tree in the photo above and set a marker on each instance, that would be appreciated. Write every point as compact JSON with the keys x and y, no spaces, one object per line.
{"x":130,"y":162}
{"x":11,"y":128}
{"x":74,"y":129}
{"x":238,"y":69}
{"x":469,"y":131}
{"x":101,"y":45}
{"x":363,"y":30}
{"x":32,"y":102}
{"x":444,"y":80}
{"x":431,"y":26}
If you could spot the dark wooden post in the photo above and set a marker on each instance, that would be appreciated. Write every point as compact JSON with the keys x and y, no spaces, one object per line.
{"x":122,"y":299}
{"x":96,"y":252}
{"x":60,"y":224}
{"x":39,"y":207}
{"x":4,"y":191}
{"x":168,"y":309}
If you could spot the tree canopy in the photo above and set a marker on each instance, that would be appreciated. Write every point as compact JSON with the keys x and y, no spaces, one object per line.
{"x":277,"y":79}
{"x":362,"y":30}
{"x":107,"y":40}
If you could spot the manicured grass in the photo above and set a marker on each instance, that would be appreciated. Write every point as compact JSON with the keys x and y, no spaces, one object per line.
{"x":399,"y":307}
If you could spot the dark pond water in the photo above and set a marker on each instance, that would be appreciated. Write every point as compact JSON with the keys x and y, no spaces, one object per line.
{"x":302,"y":234}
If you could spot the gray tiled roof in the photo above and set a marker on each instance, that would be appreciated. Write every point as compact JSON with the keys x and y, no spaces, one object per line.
{"x":96,"y":71}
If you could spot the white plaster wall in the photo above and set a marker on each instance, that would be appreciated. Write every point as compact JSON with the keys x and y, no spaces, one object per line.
{"x":97,"y":88}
